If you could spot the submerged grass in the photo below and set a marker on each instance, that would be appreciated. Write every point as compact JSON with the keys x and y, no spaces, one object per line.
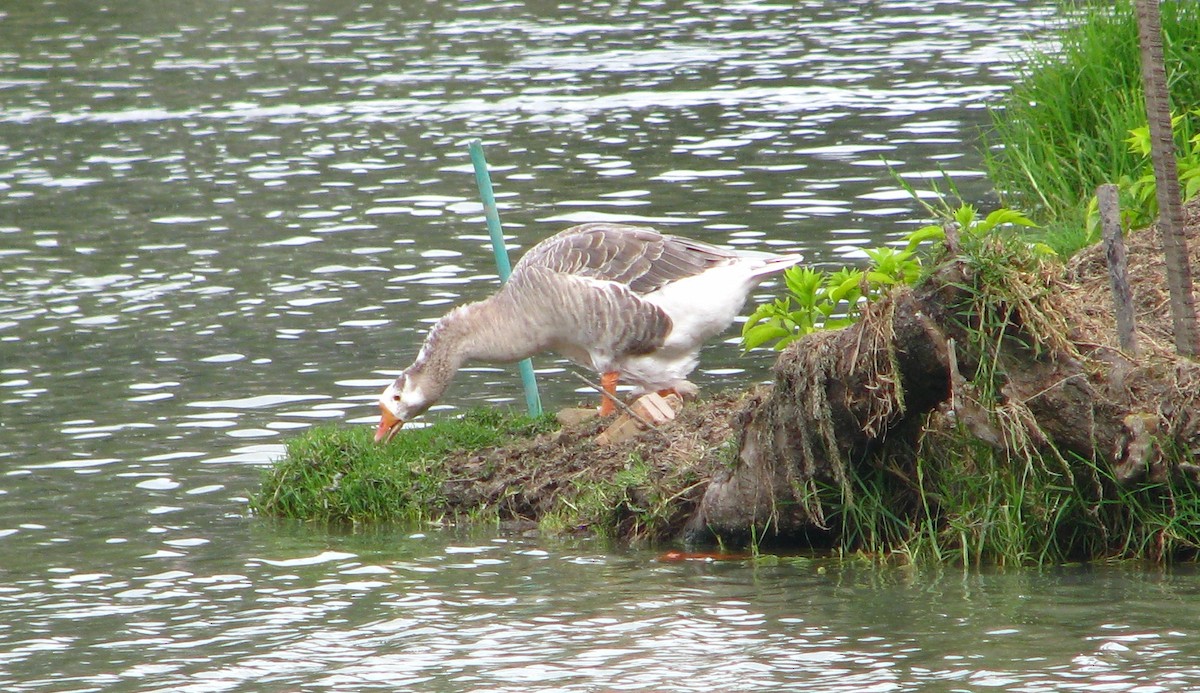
{"x":1063,"y":128}
{"x":340,"y":474}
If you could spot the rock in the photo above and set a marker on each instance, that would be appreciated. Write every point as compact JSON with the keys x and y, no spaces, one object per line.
{"x":573,"y":416}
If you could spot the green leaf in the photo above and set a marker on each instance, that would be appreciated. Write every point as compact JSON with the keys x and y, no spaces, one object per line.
{"x":1139,"y":140}
{"x":1005,"y":216}
{"x":763,"y":312}
{"x":786,"y":341}
{"x":801,"y":319}
{"x":802,"y":280}
{"x":803,"y":283}
{"x":848,"y":290}
{"x":761,"y":334}
{"x":1044,"y":250}
{"x":925,"y":233}
{"x":965,"y":216}
{"x":839,"y":323}
{"x":880,"y":255}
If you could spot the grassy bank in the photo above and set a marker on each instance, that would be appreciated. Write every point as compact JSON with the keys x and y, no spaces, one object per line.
{"x":1064,"y":127}
{"x":340,"y":474}
{"x":966,"y":504}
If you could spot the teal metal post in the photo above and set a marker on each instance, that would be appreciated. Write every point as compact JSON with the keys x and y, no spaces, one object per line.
{"x":532,"y":400}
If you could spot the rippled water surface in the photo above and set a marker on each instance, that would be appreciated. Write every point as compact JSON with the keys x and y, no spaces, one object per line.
{"x":221,"y":222}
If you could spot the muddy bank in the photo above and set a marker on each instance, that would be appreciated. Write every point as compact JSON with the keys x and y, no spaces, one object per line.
{"x":997,"y":381}
{"x":1000,"y":373}
{"x":644,"y":488}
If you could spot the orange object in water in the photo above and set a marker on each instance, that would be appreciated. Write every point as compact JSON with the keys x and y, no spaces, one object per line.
{"x":674,"y":556}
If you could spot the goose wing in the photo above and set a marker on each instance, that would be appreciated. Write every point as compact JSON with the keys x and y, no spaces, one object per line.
{"x":635,"y":256}
{"x":575,"y":314}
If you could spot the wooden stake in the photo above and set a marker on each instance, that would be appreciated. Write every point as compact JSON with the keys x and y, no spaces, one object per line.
{"x":950,"y":228}
{"x":1118,"y":269}
{"x":1166,"y":176}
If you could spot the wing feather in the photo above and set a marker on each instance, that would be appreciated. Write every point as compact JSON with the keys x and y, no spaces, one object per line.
{"x":638,"y":257}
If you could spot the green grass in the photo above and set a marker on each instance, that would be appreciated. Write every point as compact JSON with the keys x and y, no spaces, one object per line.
{"x":1040,"y":510}
{"x":341,"y":474}
{"x":1062,"y":130}
{"x":643,"y":502}
{"x":957,"y":501}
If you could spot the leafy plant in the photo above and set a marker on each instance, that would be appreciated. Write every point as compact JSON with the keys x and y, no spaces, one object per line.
{"x":1142,"y":191}
{"x":1139,"y":192}
{"x":817,"y":300}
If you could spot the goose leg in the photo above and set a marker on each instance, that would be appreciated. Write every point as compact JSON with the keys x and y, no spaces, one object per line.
{"x":608,"y":382}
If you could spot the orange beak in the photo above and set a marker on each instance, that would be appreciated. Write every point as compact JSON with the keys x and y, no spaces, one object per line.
{"x":388,"y":425}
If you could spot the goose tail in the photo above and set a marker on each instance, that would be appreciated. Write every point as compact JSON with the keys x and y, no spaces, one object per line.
{"x":778,"y":263}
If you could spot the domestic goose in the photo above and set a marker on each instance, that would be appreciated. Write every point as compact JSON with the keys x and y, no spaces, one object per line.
{"x":628,"y":302}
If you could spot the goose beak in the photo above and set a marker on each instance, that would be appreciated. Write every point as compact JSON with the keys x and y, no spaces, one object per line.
{"x":388,"y":425}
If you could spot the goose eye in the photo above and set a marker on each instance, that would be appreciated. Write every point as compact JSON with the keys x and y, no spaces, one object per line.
{"x":396,"y":397}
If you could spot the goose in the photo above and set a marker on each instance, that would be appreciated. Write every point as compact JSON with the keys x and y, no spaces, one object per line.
{"x":628,"y":302}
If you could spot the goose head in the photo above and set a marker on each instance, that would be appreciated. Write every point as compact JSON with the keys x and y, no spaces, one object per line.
{"x":399,"y":403}
{"x":424,"y":382}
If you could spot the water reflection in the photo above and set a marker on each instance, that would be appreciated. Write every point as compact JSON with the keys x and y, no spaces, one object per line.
{"x":465,"y":613}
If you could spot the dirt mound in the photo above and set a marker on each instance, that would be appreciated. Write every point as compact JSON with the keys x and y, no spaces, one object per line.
{"x":661,"y":473}
{"x":1157,"y":374}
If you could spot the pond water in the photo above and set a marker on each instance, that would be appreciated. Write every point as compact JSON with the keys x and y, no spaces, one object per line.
{"x":223,"y":222}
